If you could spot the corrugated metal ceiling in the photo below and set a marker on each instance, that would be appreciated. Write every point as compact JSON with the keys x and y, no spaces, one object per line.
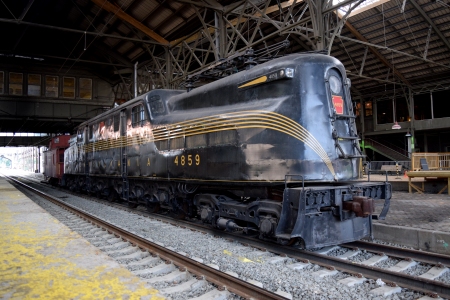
{"x":400,"y":37}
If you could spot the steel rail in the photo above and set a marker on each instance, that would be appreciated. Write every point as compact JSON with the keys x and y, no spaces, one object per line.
{"x":232,"y":284}
{"x":420,"y":256}
{"x":403,"y":280}
{"x":415,"y":283}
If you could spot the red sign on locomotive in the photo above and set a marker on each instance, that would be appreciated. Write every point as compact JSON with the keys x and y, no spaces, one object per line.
{"x":338,"y":104}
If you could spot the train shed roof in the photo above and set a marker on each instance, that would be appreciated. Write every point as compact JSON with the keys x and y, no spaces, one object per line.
{"x":388,"y":47}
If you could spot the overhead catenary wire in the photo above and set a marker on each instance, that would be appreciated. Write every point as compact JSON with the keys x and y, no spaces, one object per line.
{"x":95,"y":37}
{"x":384,"y":27}
{"x":348,"y":54}
{"x":17,"y":131}
{"x":409,"y":27}
{"x":9,"y":10}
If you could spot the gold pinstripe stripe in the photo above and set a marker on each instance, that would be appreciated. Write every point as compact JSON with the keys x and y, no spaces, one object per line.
{"x":221,"y":122}
{"x":253,"y":82}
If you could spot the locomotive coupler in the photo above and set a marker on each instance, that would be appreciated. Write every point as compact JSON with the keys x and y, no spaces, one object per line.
{"x":360,"y":205}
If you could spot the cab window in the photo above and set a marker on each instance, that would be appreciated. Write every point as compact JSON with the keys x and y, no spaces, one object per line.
{"x":101,"y":130}
{"x":157,"y":107}
{"x":91,"y":132}
{"x":116,"y":121}
{"x":138,"y":117}
{"x":80,"y":135}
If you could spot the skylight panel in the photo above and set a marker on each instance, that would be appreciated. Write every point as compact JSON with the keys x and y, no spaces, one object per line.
{"x":366,"y":5}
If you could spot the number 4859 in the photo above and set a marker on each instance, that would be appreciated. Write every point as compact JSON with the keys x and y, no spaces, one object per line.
{"x":187,"y":159}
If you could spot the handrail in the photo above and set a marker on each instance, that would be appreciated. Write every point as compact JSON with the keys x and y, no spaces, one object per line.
{"x":391,"y":146}
{"x":435,"y":160}
{"x":401,"y":153}
{"x":376,"y":164}
{"x":395,"y":147}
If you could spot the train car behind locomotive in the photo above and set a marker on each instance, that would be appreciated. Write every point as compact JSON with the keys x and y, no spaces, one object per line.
{"x":268,"y":150}
{"x":54,"y":158}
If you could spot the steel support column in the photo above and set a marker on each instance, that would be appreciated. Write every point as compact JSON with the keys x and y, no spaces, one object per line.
{"x":169,"y":72}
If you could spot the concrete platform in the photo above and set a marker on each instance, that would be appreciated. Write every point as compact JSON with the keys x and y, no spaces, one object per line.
{"x":421,"y":221}
{"x":41,"y":258}
{"x":400,"y":183}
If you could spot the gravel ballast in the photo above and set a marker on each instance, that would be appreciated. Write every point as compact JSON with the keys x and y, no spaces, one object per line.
{"x":231,"y":256}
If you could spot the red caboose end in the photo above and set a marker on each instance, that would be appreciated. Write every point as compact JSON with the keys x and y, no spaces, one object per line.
{"x":54,"y":158}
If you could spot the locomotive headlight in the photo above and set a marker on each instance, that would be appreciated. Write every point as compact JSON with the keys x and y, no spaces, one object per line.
{"x":289,"y":72}
{"x":335,"y":84}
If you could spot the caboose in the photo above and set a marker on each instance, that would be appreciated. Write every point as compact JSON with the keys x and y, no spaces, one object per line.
{"x":54,"y":159}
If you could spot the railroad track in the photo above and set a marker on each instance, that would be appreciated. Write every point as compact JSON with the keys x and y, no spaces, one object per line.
{"x":359,"y":260}
{"x":175,"y":260}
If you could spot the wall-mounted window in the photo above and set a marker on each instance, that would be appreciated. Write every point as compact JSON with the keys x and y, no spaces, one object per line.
{"x":401,"y":110}
{"x":357,"y":109}
{"x":422,"y":106}
{"x":69,"y":87}
{"x":384,"y":112}
{"x":51,"y":86}
{"x":440,"y":102}
{"x":2,"y":82}
{"x":137,"y":115}
{"x":15,"y":83}
{"x":34,"y":85}
{"x":85,"y":88}
{"x":368,"y":111}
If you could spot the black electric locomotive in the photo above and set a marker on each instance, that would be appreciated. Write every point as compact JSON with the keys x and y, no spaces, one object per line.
{"x":270,"y":150}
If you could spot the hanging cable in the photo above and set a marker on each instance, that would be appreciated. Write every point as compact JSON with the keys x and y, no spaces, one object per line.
{"x":87,"y":45}
{"x":384,"y":27}
{"x":395,"y":126}
{"x":348,"y":54}
{"x":412,"y":33}
{"x":9,"y":10}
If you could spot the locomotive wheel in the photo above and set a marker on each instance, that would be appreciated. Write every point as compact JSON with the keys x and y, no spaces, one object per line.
{"x":286,"y":242}
{"x":112,"y":196}
{"x":152,"y":203}
{"x":181,"y":209}
{"x":153,"y":207}
{"x":132,"y":204}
